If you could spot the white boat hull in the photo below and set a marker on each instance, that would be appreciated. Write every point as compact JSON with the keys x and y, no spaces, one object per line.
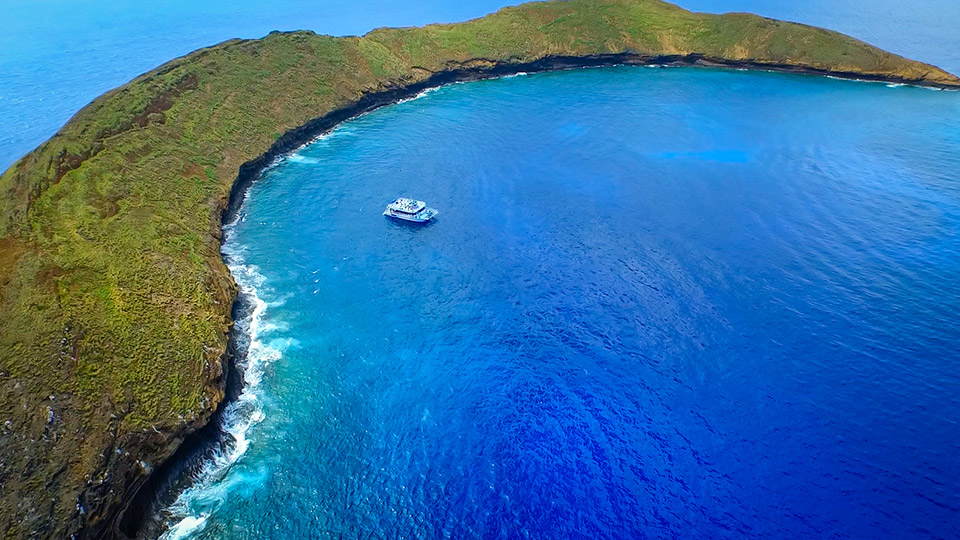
{"x":422,"y":216}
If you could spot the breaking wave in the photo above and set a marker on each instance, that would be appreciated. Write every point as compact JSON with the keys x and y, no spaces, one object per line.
{"x":212,"y":484}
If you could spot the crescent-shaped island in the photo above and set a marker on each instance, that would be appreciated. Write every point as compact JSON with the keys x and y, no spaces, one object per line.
{"x":116,"y":303}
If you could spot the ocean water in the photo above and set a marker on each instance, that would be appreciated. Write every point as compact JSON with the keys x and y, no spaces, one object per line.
{"x":657,"y":302}
{"x":58,"y":55}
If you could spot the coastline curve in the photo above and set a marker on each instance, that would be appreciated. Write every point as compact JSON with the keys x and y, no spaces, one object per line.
{"x":295,"y":139}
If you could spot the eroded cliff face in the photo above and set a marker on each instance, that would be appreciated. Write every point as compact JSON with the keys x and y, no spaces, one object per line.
{"x":115,"y":301}
{"x":69,"y":465}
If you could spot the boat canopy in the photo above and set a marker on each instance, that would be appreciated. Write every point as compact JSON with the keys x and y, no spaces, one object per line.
{"x":407,"y":206}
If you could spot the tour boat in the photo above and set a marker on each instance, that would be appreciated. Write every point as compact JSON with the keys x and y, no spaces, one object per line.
{"x":410,"y":210}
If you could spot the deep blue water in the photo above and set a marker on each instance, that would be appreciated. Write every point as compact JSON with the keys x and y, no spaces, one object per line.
{"x":58,"y":55}
{"x":656,"y":303}
{"x":680,"y":303}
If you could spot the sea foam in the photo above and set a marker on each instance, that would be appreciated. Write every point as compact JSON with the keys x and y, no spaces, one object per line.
{"x":216,"y":477}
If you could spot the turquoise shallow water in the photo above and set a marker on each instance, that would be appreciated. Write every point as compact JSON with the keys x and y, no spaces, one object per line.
{"x":657,"y":302}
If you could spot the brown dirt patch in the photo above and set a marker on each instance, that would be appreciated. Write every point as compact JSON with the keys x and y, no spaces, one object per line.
{"x":10,"y":251}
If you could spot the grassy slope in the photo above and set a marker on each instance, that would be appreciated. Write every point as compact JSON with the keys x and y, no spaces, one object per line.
{"x":115,"y":301}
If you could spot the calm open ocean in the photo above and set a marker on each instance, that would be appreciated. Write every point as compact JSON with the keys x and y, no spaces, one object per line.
{"x":657,"y":302}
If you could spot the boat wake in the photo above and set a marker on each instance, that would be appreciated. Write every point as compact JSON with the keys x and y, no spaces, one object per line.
{"x":212,"y":485}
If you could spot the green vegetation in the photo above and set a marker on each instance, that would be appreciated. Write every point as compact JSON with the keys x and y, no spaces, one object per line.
{"x":115,"y":303}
